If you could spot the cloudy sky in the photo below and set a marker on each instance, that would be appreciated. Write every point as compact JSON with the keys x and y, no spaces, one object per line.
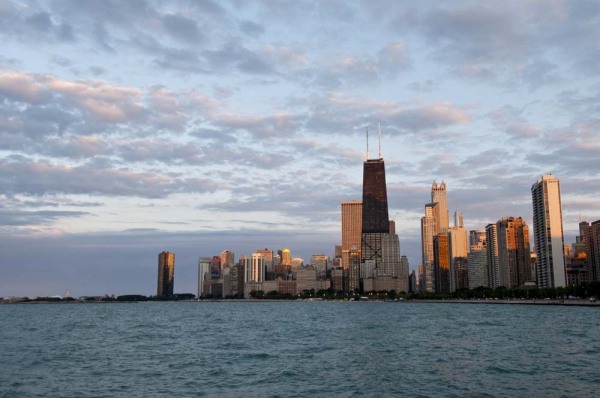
{"x":132,"y":127}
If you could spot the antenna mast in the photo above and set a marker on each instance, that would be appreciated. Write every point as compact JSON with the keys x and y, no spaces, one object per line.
{"x":367,"y":154}
{"x":380,"y":157}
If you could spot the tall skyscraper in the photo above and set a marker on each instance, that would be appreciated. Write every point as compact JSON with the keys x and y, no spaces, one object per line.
{"x":438,"y":195}
{"x":548,"y":232}
{"x":375,"y":220}
{"x":428,"y":231}
{"x":514,"y":259}
{"x":204,"y":276}
{"x":380,"y":249}
{"x":351,"y":229}
{"x":166,"y":273}
{"x":457,"y":236}
{"x":441,"y":263}
{"x":491,"y":238}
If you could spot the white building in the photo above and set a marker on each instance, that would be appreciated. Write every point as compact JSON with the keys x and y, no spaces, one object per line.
{"x":548,"y":232}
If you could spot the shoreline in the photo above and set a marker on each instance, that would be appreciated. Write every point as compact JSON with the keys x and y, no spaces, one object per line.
{"x":551,"y":302}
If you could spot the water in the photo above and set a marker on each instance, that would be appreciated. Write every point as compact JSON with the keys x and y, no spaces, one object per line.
{"x":298,"y":349}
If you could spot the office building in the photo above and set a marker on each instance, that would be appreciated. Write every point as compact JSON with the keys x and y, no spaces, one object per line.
{"x":351,"y":229}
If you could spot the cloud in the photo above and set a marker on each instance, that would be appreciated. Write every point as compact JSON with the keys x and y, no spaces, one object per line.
{"x":42,"y":217}
{"x":25,"y":176}
{"x":182,"y":28}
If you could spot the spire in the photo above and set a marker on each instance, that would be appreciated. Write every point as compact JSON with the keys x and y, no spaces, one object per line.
{"x":380,"y":157}
{"x":367,"y":154}
{"x":434,"y":185}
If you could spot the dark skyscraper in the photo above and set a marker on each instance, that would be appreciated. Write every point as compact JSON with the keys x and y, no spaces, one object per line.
{"x":375,"y":220}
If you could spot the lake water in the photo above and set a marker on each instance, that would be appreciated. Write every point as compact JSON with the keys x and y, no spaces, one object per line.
{"x":298,"y":349}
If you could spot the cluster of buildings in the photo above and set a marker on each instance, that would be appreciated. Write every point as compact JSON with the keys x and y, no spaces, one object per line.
{"x":369,"y":258}
{"x":500,"y":254}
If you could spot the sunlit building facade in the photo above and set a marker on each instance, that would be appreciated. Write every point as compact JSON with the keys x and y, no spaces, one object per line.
{"x":166,"y":274}
{"x":548,"y":232}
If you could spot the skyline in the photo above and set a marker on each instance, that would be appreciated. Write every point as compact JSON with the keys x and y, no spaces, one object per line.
{"x":129,"y":129}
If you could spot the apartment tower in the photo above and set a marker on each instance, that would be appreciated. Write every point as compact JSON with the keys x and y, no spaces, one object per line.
{"x":548,"y":232}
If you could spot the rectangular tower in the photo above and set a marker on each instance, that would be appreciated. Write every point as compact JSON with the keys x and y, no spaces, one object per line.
{"x":548,"y":232}
{"x":166,"y":273}
{"x":351,"y":229}
{"x":375,"y":220}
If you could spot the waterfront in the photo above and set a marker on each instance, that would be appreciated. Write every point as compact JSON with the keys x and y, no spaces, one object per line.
{"x":298,"y":349}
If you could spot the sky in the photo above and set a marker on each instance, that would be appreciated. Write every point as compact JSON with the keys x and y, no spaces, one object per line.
{"x":132,"y":127}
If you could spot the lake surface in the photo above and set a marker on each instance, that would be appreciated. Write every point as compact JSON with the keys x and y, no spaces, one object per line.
{"x":298,"y":349}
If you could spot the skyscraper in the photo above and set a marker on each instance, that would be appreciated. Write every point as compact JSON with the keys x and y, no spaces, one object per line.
{"x":351,"y":229}
{"x":477,"y":260}
{"x":491,"y":238}
{"x":594,"y":249}
{"x":204,"y":276}
{"x":438,"y":195}
{"x":166,"y":273}
{"x":380,"y":249}
{"x":375,"y":220}
{"x":227,"y":259}
{"x":441,"y":263}
{"x":548,"y":232}
{"x":514,"y":259}
{"x":428,"y":231}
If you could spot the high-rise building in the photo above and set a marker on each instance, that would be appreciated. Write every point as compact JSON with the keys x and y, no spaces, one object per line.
{"x":351,"y":229}
{"x":428,"y":231}
{"x":548,"y":232}
{"x":441,"y":263}
{"x":204,"y":276}
{"x":457,"y":237}
{"x":166,"y":273}
{"x":594,"y":249}
{"x":267,"y":255}
{"x":514,"y":259}
{"x":227,"y":259}
{"x":380,"y":248}
{"x":477,"y":263}
{"x":285,"y":257}
{"x":215,"y":266}
{"x":491,"y":238}
{"x":254,"y":268}
{"x":375,"y":220}
{"x":320,"y":262}
{"x":438,"y":195}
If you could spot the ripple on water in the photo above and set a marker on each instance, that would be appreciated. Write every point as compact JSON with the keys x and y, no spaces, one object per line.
{"x":297,"y":350}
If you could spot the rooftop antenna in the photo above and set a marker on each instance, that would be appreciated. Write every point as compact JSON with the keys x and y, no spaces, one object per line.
{"x":380,"y":157}
{"x":367,"y":154}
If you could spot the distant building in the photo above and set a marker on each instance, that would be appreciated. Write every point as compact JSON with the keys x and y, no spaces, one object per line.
{"x":491,"y":238}
{"x":441,"y":255}
{"x":166,"y":273}
{"x":351,"y":229}
{"x":227,"y":259}
{"x":428,"y":231}
{"x":548,"y":232}
{"x":477,"y":264}
{"x":320,"y":262}
{"x":514,"y":259}
{"x":204,"y":276}
{"x":594,"y":249}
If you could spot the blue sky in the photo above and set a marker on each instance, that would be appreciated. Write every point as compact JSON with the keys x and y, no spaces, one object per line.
{"x":128,"y":128}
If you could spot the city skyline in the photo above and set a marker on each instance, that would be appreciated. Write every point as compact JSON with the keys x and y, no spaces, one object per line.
{"x":135,"y":128}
